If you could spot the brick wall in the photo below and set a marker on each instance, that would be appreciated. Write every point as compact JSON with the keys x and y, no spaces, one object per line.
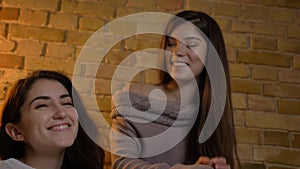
{"x":263,"y":46}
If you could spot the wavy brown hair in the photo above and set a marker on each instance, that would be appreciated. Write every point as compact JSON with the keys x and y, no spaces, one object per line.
{"x":223,"y":141}
{"x":84,"y":153}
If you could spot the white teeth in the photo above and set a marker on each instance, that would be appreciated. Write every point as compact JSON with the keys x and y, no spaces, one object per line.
{"x":179,"y":64}
{"x":59,"y":127}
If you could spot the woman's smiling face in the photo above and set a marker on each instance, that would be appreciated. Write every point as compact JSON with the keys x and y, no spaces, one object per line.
{"x":186,"y":46}
{"x":48,"y":119}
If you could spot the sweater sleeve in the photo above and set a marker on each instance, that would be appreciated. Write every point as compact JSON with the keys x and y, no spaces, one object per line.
{"x":131,"y":163}
{"x":126,"y":149}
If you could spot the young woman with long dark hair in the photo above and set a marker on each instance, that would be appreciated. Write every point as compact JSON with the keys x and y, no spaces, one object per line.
{"x":40,"y":126}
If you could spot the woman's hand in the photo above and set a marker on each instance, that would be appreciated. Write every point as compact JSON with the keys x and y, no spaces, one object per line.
{"x":215,"y":162}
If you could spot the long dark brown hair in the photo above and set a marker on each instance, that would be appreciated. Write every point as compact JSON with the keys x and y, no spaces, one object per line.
{"x":84,"y":153}
{"x":223,"y":141}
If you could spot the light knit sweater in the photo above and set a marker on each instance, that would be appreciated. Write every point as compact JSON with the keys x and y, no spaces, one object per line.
{"x":150,"y":133}
{"x":13,"y":164}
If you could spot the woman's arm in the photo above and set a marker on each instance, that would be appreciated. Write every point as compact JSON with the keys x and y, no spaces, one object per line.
{"x":126,"y":150}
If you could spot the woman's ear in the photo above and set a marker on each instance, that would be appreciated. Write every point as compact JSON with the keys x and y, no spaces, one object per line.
{"x":14,"y":132}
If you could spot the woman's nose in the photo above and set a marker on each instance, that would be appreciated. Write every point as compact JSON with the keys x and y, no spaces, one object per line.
{"x":180,"y":49}
{"x":59,"y":112}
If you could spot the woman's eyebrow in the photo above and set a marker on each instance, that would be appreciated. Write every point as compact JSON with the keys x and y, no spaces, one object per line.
{"x":39,"y":98}
{"x":193,"y":38}
{"x":64,"y":96}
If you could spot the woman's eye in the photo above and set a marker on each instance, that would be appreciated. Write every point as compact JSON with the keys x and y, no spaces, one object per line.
{"x":41,"y":106}
{"x":191,"y":45}
{"x":67,"y":103}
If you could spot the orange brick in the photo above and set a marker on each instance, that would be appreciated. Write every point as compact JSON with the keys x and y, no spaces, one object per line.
{"x":33,"y":17}
{"x":231,"y":54}
{"x":277,"y":155}
{"x":280,"y":167}
{"x":264,"y":58}
{"x":30,"y":48}
{"x":152,"y":76}
{"x":10,"y":3}
{"x":296,"y":140}
{"x":90,"y":24}
{"x":264,"y":73}
{"x":116,"y":57}
{"x":276,"y":138}
{"x":259,"y":42}
{"x":3,"y":88}
{"x":255,"y":12}
{"x":258,"y":28}
{"x":133,"y":44}
{"x":281,"y":90}
{"x":104,"y":103}
{"x":150,"y":4}
{"x":170,"y":4}
{"x":239,"y":119}
{"x":239,"y":101}
{"x":103,"y":87}
{"x":242,"y":26}
{"x":127,"y":74}
{"x":294,"y":31}
{"x":104,"y":71}
{"x":63,"y":21}
{"x":236,"y":40}
{"x":88,"y":8}
{"x":245,"y":86}
{"x":296,"y":62}
{"x":9,"y":13}
{"x":289,"y":106}
{"x":124,"y":11}
{"x":228,"y":9}
{"x":11,"y":61}
{"x":83,"y":86}
{"x":248,"y":165}
{"x":223,"y":23}
{"x":297,"y":17}
{"x":289,"y":75}
{"x":244,"y":151}
{"x":114,"y":2}
{"x":90,"y":103}
{"x":281,"y":15}
{"x":128,"y":28}
{"x":256,"y":102}
{"x":60,"y":51}
{"x":7,"y":45}
{"x":47,"y":5}
{"x":245,"y":1}
{"x":289,"y":45}
{"x":12,"y":75}
{"x":2,"y":29}
{"x":32,"y":64}
{"x":272,"y":121}
{"x":77,"y":38}
{"x":279,"y":3}
{"x":149,"y":59}
{"x":206,"y":6}
{"x":68,"y":6}
{"x":250,"y":136}
{"x":239,"y":70}
{"x":38,"y":33}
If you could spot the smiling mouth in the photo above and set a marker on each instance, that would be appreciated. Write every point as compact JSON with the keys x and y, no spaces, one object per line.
{"x":179,"y":63}
{"x":59,"y":127}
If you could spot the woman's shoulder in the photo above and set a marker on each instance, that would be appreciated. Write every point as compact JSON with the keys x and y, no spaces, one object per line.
{"x":12,"y":163}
